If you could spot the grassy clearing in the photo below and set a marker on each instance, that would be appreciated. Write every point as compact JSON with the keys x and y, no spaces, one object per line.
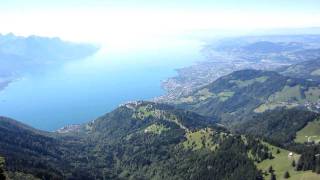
{"x":144,"y":112}
{"x":308,"y":175}
{"x":188,"y":99}
{"x":225,"y":95}
{"x":148,"y":111}
{"x":201,"y":95}
{"x":294,"y":94}
{"x":204,"y":94}
{"x":200,"y":139}
{"x":282,"y":163}
{"x":156,"y":129}
{"x":274,"y":105}
{"x":246,"y":83}
{"x":313,"y":94}
{"x":309,"y":133}
{"x":287,"y":94}
{"x":290,"y":97}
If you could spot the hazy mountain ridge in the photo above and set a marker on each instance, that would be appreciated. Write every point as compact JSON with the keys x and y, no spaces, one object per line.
{"x":19,"y":55}
{"x":42,"y":49}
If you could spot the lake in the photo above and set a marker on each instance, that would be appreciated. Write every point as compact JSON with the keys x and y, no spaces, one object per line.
{"x":79,"y":91}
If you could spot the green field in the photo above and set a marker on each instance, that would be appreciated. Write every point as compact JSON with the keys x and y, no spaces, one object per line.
{"x":312,"y":94}
{"x":188,"y":99}
{"x":282,"y":163}
{"x":156,"y":129}
{"x":309,"y":133}
{"x":200,"y":139}
{"x":225,"y":95}
{"x":290,"y":97}
{"x":199,"y":96}
{"x":144,"y":112}
{"x":273,"y":105}
{"x":246,"y":83}
{"x":287,"y":94}
{"x":204,"y":94}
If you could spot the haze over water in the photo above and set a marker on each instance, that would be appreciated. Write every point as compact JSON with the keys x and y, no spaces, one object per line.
{"x":81,"y":90}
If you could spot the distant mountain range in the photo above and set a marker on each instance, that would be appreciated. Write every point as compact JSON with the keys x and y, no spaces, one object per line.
{"x":41,"y":49}
{"x":19,"y":55}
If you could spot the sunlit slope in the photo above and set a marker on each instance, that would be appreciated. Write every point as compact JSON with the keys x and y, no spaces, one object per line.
{"x":310,"y":133}
{"x":307,"y":70}
{"x":282,"y":163}
{"x":241,"y":94}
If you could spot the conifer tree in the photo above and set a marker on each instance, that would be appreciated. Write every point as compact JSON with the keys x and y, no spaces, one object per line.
{"x":270,"y":169}
{"x":273,"y":177}
{"x":286,"y":175}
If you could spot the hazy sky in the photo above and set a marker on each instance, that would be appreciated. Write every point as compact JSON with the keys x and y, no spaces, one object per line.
{"x":120,"y":21}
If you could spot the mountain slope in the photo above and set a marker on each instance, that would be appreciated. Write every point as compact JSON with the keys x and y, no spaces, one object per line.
{"x":310,"y":133}
{"x":140,"y":140}
{"x":239,"y":95}
{"x":309,"y":70}
{"x":281,"y":163}
{"x":31,"y":151}
{"x":278,"y":126}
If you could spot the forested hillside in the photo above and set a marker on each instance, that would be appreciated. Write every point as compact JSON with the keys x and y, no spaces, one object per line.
{"x":236,"y":97}
{"x":309,"y":70}
{"x":279,"y":126}
{"x":138,"y":140}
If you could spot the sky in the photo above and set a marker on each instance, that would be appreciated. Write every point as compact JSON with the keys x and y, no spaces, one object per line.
{"x":130,"y":22}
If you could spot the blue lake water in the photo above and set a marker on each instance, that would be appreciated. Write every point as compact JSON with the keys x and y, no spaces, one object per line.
{"x":79,"y":91}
